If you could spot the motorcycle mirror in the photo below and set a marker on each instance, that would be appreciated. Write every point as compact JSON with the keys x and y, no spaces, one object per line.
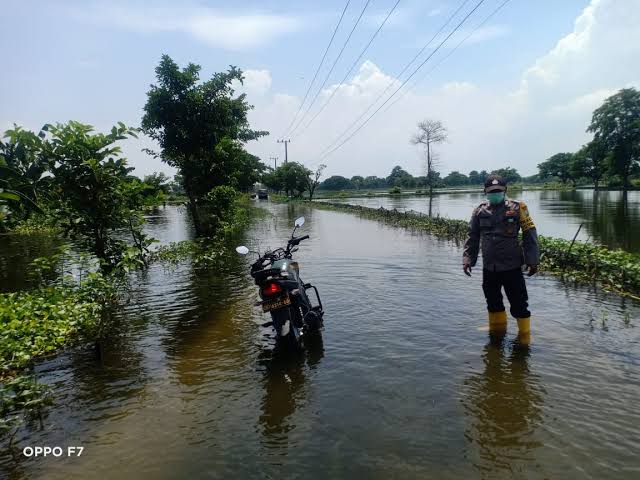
{"x":299,"y":222}
{"x":242,"y":250}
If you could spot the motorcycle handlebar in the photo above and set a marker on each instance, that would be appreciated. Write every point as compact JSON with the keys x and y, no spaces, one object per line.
{"x":296,"y":241}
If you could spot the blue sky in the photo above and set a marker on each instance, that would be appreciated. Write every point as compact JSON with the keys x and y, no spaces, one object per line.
{"x":507,"y":95}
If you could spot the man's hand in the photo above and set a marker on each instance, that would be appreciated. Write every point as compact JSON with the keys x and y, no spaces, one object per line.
{"x":533,"y":269}
{"x":466,"y":268}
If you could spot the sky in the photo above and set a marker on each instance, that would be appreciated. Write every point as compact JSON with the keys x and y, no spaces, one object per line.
{"x":520,"y":87}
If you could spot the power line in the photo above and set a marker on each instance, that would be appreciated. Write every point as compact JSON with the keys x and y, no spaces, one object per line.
{"x":392,"y":81}
{"x":351,"y":69}
{"x":335,"y":30}
{"x":406,"y":80}
{"x":332,"y":67}
{"x":451,"y":52}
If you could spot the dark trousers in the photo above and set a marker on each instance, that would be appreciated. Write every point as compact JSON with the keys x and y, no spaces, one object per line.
{"x":514,"y":287}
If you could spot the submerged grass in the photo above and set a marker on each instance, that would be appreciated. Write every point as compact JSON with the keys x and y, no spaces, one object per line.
{"x":614,"y":270}
{"x":38,"y":323}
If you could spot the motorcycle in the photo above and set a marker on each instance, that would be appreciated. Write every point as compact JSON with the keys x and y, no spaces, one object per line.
{"x":283,"y":293}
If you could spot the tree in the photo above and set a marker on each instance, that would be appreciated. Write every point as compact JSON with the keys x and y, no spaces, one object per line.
{"x":272,"y":180}
{"x":589,"y":162}
{"x":511,"y":175}
{"x":94,"y":193}
{"x":616,"y":125}
{"x":154,"y":188}
{"x":176,"y":185}
{"x":336,"y":182}
{"x":476,"y":178}
{"x":158,"y":180}
{"x":357,"y":181}
{"x":400,"y":178}
{"x":455,"y":179}
{"x":314,"y":179}
{"x":200,"y":128}
{"x":430,"y":133}
{"x":23,"y":170}
{"x":249,"y":171}
{"x":558,"y":165}
{"x":293,"y":177}
{"x":374,"y":182}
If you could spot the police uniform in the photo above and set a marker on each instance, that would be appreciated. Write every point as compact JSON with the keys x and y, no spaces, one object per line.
{"x":496,"y":228}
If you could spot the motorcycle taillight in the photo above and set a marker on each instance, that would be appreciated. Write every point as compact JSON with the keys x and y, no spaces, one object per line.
{"x":270,"y":289}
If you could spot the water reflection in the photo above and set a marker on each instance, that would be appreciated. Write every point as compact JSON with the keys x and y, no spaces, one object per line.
{"x":16,"y":254}
{"x":503,"y":409}
{"x":610,"y":218}
{"x":286,"y":390}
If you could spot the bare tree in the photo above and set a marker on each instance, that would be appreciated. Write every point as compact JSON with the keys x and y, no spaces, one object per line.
{"x":314,"y":179}
{"x":430,"y":133}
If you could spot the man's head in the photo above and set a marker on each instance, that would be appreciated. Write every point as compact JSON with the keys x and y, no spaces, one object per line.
{"x":495,"y":187}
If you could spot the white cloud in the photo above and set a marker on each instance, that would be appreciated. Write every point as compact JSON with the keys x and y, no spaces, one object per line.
{"x":547,"y":112}
{"x":215,"y":28}
{"x":256,"y":82}
{"x":370,"y":81}
{"x":583,"y":104}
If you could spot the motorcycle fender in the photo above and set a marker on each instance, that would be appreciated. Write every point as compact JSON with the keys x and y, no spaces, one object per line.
{"x":281,"y":321}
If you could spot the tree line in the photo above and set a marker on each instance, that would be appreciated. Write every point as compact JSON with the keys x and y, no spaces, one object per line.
{"x":400,"y":178}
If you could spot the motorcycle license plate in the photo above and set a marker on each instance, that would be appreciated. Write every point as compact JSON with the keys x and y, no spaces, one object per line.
{"x":276,"y":303}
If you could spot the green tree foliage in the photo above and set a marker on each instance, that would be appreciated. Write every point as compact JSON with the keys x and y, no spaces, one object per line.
{"x":616,"y":126}
{"x":400,"y":178}
{"x":590,"y":162}
{"x":249,"y":171}
{"x":558,"y":165}
{"x":357,"y":181}
{"x":293,"y":177}
{"x":337,"y":182}
{"x":271,"y":179}
{"x":176,"y":185}
{"x":159,"y":181}
{"x":154,"y":188}
{"x":23,"y":169}
{"x":511,"y":175}
{"x":455,"y":179}
{"x":200,"y":127}
{"x":372,"y":182}
{"x":94,"y":195}
{"x":476,"y":178}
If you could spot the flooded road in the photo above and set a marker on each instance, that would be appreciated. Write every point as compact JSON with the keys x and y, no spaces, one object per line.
{"x":607,"y":217}
{"x":404,"y":384}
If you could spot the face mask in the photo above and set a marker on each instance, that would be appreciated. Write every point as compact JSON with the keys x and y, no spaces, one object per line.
{"x":495,"y":197}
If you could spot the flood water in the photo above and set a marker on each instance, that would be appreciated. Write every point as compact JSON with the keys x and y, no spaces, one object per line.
{"x":607,"y":217}
{"x":404,"y":384}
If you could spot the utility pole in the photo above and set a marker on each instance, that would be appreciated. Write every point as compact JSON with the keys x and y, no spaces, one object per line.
{"x":275,"y":162}
{"x":286,"y":142}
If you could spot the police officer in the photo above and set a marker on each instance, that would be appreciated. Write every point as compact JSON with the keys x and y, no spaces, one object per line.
{"x":497,"y":222}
